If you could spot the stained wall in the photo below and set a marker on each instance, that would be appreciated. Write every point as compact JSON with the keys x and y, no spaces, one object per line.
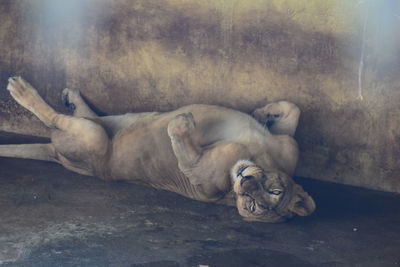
{"x":338,"y":60}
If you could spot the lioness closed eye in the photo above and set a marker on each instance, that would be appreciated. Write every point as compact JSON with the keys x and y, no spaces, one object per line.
{"x":207,"y":153}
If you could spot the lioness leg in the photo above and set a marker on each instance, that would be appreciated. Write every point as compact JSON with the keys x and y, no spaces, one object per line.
{"x":186,"y":151}
{"x":189,"y":154}
{"x":75,"y":140}
{"x":281,"y":117}
{"x":29,"y":98}
{"x":72,"y":99}
{"x":199,"y":164}
{"x":44,"y":152}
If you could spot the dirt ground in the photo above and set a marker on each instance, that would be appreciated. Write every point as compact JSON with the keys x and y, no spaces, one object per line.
{"x":50,"y":216}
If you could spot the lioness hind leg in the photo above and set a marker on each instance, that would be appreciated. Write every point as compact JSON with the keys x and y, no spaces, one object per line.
{"x":44,"y":152}
{"x":72,"y":99}
{"x":29,"y":98}
{"x":281,"y":117}
{"x":88,"y":139}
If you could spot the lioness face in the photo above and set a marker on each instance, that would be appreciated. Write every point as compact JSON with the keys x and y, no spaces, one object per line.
{"x":268,"y":196}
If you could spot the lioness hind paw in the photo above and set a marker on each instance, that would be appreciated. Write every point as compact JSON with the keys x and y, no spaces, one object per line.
{"x":181,"y":125}
{"x":67,"y":97}
{"x":22,"y":92}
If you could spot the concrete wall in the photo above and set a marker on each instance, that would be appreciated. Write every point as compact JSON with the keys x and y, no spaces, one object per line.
{"x":144,"y":55}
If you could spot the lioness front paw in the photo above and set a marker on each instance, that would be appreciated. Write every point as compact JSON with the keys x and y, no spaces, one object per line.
{"x":268,"y":114}
{"x":181,"y":125}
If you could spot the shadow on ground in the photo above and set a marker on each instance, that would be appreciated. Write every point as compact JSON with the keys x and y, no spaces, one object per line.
{"x":52,"y":217}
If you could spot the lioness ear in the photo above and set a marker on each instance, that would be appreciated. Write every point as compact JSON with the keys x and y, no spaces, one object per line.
{"x":302,"y":204}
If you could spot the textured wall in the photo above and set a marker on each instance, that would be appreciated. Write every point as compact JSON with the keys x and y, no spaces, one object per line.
{"x":144,"y":55}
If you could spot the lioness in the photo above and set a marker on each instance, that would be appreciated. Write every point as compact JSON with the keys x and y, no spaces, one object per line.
{"x":208,"y":153}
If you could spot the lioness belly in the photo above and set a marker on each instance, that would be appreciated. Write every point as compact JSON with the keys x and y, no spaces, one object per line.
{"x":145,"y":156}
{"x":141,"y":154}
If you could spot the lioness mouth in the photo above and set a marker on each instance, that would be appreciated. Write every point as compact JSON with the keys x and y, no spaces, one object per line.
{"x":250,"y":205}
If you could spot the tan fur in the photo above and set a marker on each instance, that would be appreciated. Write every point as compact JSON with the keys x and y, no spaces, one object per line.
{"x":207,"y":153}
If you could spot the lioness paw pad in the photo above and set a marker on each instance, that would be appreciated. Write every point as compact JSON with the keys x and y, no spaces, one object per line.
{"x":22,"y":92}
{"x":69,"y":97}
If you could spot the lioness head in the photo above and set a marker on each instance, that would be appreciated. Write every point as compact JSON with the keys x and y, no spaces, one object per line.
{"x":268,"y":196}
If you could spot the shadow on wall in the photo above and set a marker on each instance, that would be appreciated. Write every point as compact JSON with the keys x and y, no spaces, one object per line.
{"x":158,"y":55}
{"x":154,"y":52}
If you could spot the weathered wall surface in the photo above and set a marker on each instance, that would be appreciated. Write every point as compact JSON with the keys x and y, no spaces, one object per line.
{"x":144,"y":55}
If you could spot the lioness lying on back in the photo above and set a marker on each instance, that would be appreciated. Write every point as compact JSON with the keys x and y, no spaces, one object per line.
{"x":207,"y":153}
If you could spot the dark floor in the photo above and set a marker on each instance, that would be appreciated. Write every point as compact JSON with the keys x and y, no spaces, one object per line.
{"x":52,"y":217}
